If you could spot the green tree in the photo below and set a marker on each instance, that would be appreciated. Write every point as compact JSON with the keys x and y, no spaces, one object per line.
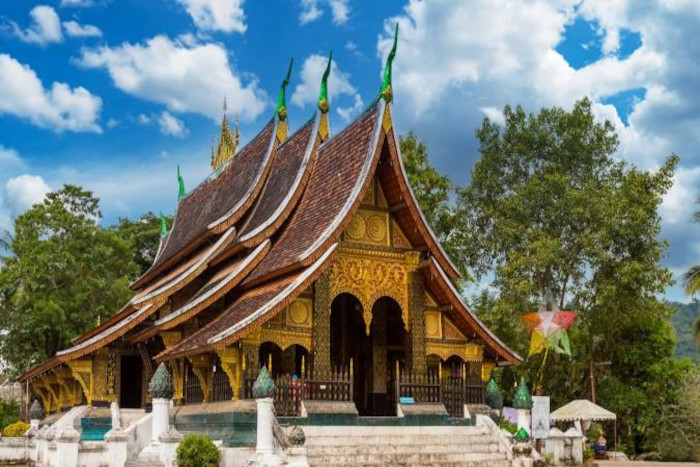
{"x":63,"y":274}
{"x":549,"y":208}
{"x":433,"y":191}
{"x":143,"y":235}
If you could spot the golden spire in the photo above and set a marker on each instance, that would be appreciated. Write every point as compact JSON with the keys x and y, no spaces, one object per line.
{"x":228,"y":142}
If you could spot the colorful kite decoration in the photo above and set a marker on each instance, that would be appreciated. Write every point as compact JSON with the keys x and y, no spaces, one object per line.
{"x":547,"y":329}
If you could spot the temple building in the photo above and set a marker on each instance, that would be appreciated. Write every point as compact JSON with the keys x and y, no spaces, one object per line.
{"x":305,"y":252}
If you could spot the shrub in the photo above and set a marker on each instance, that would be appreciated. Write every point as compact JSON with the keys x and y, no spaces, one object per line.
{"x":197,"y":451}
{"x":15,"y":430}
{"x":9,"y":412}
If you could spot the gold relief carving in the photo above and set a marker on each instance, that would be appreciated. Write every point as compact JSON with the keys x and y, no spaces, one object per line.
{"x":433,"y":329}
{"x":65,"y":379}
{"x":202,"y":369}
{"x":430,"y":301}
{"x":252,"y":339}
{"x":285,"y":338}
{"x":486,"y":368}
{"x":369,"y":197}
{"x":444,"y":350}
{"x":82,"y":372}
{"x":323,"y":129}
{"x":451,"y":331}
{"x":398,"y":239}
{"x":357,"y":229}
{"x":170,"y":338}
{"x":368,"y":226}
{"x":299,"y":312}
{"x":386,"y":119}
{"x":370,"y":275}
{"x":231,"y":363}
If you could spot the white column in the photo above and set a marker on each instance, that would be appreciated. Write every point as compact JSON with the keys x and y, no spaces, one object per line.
{"x":161,"y":418}
{"x":169,"y":442}
{"x":265,"y":441}
{"x":67,"y":442}
{"x":116,"y":440}
{"x":523,"y":421}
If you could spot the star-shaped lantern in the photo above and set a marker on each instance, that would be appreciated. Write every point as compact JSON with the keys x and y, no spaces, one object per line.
{"x":548,"y":327}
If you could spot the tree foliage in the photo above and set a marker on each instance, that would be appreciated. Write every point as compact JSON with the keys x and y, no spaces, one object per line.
{"x":433,"y":191}
{"x":549,"y":207}
{"x":63,"y":274}
{"x":143,"y":234}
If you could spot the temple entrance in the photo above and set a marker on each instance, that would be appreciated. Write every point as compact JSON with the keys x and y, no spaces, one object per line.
{"x":373,"y":356}
{"x":130,"y":376}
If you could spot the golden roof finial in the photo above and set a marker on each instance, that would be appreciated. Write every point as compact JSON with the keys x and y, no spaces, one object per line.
{"x":228,"y":143}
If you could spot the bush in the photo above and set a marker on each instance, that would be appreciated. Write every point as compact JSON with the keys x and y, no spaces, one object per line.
{"x":197,"y":451}
{"x":15,"y":430}
{"x":9,"y":412}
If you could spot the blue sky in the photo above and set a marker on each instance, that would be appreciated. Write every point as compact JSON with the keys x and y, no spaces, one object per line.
{"x":113,"y":94}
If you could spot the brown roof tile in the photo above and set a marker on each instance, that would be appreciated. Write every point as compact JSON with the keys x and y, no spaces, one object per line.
{"x":343,"y":163}
{"x":250,"y":310}
{"x":218,"y":203}
{"x":286,"y":181}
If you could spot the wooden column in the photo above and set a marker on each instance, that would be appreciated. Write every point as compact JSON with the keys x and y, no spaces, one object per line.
{"x":417,"y":325}
{"x":322,"y":327}
{"x":231,"y":363}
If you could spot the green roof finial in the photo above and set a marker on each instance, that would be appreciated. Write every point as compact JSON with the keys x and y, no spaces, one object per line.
{"x":181,"y":184}
{"x":323,"y":103}
{"x":386,"y":92}
{"x":281,"y":109}
{"x":163,"y":226}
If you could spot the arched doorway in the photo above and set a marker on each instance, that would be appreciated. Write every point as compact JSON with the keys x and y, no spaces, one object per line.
{"x":350,"y":342}
{"x":388,"y":338}
{"x":290,"y":361}
{"x":374,"y":357}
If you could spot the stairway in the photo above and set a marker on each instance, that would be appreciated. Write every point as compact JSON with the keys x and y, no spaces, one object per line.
{"x":469,"y":446}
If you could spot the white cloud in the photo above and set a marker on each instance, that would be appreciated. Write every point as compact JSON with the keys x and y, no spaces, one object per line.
{"x":311,"y":10}
{"x":44,"y":29}
{"x":25,"y":191}
{"x":306,"y":92}
{"x":75,"y":29}
{"x":494,"y":114}
{"x":143,"y":119}
{"x":112,"y":123}
{"x":679,"y":203}
{"x":76,"y":3}
{"x":9,"y":157}
{"x":347,"y":113}
{"x":216,"y":15}
{"x":171,"y":125}
{"x":59,"y":108}
{"x":183,"y":77}
{"x":459,"y":61}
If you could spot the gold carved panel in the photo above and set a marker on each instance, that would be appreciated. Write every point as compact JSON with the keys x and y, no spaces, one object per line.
{"x":285,"y":338}
{"x":451,"y":331}
{"x":445,"y":350}
{"x":368,"y":226}
{"x":370,"y":275}
{"x":486,"y":368}
{"x":298,"y":314}
{"x":433,"y":325}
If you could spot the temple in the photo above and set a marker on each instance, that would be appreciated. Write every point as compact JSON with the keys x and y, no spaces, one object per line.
{"x":305,"y":252}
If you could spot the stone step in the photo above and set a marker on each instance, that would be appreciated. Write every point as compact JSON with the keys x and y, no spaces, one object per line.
{"x":372,"y":440}
{"x":142,"y":463}
{"x":402,"y":448}
{"x":486,"y":463}
{"x":407,"y":459}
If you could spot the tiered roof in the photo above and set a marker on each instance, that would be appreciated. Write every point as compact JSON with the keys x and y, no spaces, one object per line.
{"x":264,"y":226}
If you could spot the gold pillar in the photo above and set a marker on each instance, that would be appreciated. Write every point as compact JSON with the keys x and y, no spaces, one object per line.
{"x":202,"y":369}
{"x":82,"y":371}
{"x":170,"y":338}
{"x":416,"y":349}
{"x":322,"y":326}
{"x":232,"y":362}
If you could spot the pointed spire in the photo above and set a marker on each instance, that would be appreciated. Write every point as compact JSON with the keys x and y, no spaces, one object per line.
{"x":281,"y":108}
{"x":181,"y":185}
{"x":386,"y":91}
{"x":163,"y":226}
{"x":323,"y":103}
{"x":228,"y":143}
